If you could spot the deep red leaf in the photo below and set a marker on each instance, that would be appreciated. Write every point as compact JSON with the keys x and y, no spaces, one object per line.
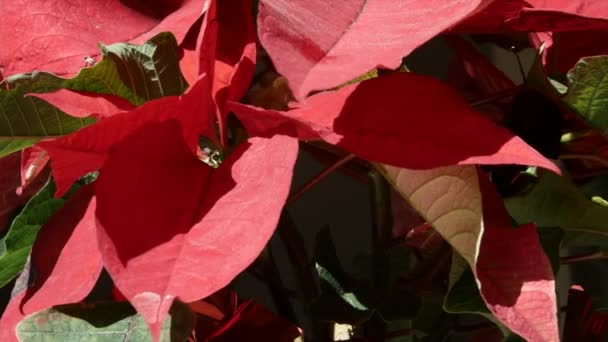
{"x":514,"y":274}
{"x":65,"y":261}
{"x":488,"y":78}
{"x":83,"y":104}
{"x":564,"y":49}
{"x":583,"y":322}
{"x":168,"y":224}
{"x":57,"y":35}
{"x":226,"y":48}
{"x":537,"y":15}
{"x":84,"y":151}
{"x":252,"y":319}
{"x":226,"y":52}
{"x":319,"y":45}
{"x":65,"y":257}
{"x":403,"y":119}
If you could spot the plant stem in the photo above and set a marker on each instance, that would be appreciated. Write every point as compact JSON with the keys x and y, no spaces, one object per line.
{"x":296,"y":251}
{"x":519,"y":65}
{"x":497,"y":96}
{"x":585,"y":257}
{"x":594,"y":158}
{"x":588,"y":174}
{"x":319,"y":177}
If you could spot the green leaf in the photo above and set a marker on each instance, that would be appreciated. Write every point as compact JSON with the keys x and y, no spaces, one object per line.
{"x":557,"y":202}
{"x":463,"y":294}
{"x":106,"y":321}
{"x":15,"y":247}
{"x":348,"y":297}
{"x":25,"y":119}
{"x":137,"y":73}
{"x":588,"y":90}
{"x":550,"y":239}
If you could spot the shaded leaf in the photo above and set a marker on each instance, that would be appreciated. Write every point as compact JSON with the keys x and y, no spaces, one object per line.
{"x":588,"y":90}
{"x":409,"y":111}
{"x":67,"y":236}
{"x":15,"y":247}
{"x":515,"y":282}
{"x":135,"y":73}
{"x":537,"y":16}
{"x":226,"y":49}
{"x":38,"y":36}
{"x":24,"y":119}
{"x":105,"y":321}
{"x":343,"y":43}
{"x":251,"y":319}
{"x":565,"y":49}
{"x":556,"y":202}
{"x":54,"y":276}
{"x":198,"y":232}
{"x":583,"y":323}
{"x":138,"y":73}
{"x":86,"y":150}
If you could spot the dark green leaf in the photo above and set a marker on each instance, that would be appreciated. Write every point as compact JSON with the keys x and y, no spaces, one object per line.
{"x":348,"y":297}
{"x":556,"y":202}
{"x":137,"y":73}
{"x":463,"y":295}
{"x":551,"y":239}
{"x":325,"y":256}
{"x":588,"y":90}
{"x":107,"y":321}
{"x":15,"y":247}
{"x":25,"y":119}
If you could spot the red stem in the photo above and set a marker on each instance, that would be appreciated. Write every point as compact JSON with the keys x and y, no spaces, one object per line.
{"x":319,"y":177}
{"x":586,"y":257}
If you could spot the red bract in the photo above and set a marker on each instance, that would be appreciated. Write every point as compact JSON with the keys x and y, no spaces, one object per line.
{"x":195,"y":242}
{"x":515,"y":277}
{"x":83,"y":104}
{"x":564,"y":49}
{"x":65,"y":261}
{"x":86,"y":150}
{"x":537,"y":16}
{"x":488,"y":79}
{"x":57,"y":35}
{"x":319,"y":45}
{"x":403,"y":119}
{"x":252,"y":319}
{"x":166,"y":222}
{"x":226,"y":49}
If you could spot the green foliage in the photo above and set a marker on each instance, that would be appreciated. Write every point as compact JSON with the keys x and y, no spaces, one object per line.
{"x":105,"y":321}
{"x":15,"y":247}
{"x":24,"y":120}
{"x":137,"y":73}
{"x":588,"y":90}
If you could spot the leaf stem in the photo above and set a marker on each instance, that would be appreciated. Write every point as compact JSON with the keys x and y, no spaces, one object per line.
{"x":519,"y":64}
{"x":597,"y":159}
{"x":497,"y":96}
{"x":220,"y":127}
{"x":585,"y":257}
{"x":589,"y":174}
{"x":319,"y":177}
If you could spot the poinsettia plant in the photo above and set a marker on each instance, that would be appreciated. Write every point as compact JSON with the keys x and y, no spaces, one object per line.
{"x":148,"y":150}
